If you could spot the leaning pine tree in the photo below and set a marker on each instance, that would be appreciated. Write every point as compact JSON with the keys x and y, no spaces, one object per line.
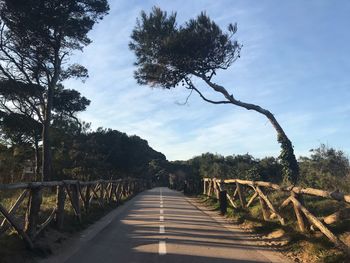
{"x":169,"y":55}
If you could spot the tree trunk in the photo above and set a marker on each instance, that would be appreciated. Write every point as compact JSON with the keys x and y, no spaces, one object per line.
{"x":37,"y":159}
{"x":46,"y":162}
{"x":46,"y":158}
{"x":287,"y":156}
{"x":47,"y":118}
{"x":32,"y":215}
{"x":288,"y":160}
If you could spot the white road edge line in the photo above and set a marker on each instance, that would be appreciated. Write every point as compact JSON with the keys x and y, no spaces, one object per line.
{"x":161,"y":218}
{"x":162,"y":248}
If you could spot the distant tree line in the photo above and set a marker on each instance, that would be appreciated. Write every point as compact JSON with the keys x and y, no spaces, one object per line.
{"x":80,"y":153}
{"x":326,"y":168}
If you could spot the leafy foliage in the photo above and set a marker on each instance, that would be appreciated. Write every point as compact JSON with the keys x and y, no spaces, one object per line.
{"x":36,"y":39}
{"x":326,"y":168}
{"x":167,"y":54}
{"x":109,"y":153}
{"x":288,"y":160}
{"x":235,"y":166}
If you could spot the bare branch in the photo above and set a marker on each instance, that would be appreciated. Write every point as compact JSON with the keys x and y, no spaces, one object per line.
{"x":187,"y":98}
{"x":192,"y":87}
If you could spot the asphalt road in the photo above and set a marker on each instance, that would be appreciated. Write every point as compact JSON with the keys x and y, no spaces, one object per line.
{"x":161,"y":225}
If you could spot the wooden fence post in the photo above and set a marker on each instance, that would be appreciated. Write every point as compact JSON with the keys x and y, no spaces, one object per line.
{"x":299,"y":215}
{"x":210,"y":188}
{"x":216,"y":188}
{"x":75,"y":200}
{"x":223,"y":202}
{"x":241,"y":195}
{"x":32,"y":214}
{"x":60,"y":200}
{"x":264,"y":209}
{"x":110,"y":193}
{"x":102,"y":190}
{"x":87,"y":198}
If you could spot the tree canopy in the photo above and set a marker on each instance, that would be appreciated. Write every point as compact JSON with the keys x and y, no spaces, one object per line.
{"x":169,"y":55}
{"x":37,"y":38}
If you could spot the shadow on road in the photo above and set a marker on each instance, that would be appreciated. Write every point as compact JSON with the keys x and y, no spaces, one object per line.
{"x":190,"y":236}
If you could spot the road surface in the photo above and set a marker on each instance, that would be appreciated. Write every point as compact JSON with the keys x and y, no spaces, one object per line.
{"x":161,"y":225}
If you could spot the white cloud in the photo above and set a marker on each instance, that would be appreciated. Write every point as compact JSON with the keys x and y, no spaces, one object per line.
{"x":183,"y":131}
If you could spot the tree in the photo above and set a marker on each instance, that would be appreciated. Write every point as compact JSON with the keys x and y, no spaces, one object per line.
{"x":36,"y":39}
{"x":110,"y":153}
{"x":168,"y":55}
{"x":19,"y":124}
{"x":326,"y":168}
{"x":19,"y":129}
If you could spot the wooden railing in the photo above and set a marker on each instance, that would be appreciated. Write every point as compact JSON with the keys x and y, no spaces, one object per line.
{"x":80,"y":194}
{"x":259,"y":190}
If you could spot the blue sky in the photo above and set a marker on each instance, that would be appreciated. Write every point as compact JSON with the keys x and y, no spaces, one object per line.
{"x":294,"y":62}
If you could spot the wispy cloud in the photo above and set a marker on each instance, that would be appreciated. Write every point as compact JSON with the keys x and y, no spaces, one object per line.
{"x":277,"y":70}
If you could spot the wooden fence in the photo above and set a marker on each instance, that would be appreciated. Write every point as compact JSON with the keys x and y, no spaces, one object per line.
{"x":260,"y":190}
{"x":80,"y":194}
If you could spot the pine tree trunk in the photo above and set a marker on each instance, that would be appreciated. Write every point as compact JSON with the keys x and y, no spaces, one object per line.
{"x":46,"y":158}
{"x":37,"y":159}
{"x":46,"y":164}
{"x":288,"y":159}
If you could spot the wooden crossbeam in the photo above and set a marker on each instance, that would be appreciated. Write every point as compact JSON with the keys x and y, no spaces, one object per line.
{"x":251,"y":200}
{"x":46,"y":223}
{"x":317,"y":223}
{"x":269,"y":204}
{"x":241,"y":195}
{"x":5,"y":225}
{"x":16,"y":226}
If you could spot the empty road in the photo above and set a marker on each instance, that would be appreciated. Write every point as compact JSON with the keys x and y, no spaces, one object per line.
{"x":160,"y":225}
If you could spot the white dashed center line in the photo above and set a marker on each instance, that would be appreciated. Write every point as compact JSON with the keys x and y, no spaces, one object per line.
{"x":162,"y":248}
{"x":161,"y":229}
{"x":162,"y":243}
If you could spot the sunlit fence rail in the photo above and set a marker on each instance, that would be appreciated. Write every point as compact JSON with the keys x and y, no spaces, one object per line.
{"x":242,"y":193}
{"x":23,"y":208}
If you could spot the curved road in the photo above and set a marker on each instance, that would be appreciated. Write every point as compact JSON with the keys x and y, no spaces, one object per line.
{"x":161,"y":225}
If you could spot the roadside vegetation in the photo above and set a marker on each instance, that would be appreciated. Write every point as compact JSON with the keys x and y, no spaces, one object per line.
{"x":326,"y":168}
{"x":301,"y":247}
{"x":13,"y":249}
